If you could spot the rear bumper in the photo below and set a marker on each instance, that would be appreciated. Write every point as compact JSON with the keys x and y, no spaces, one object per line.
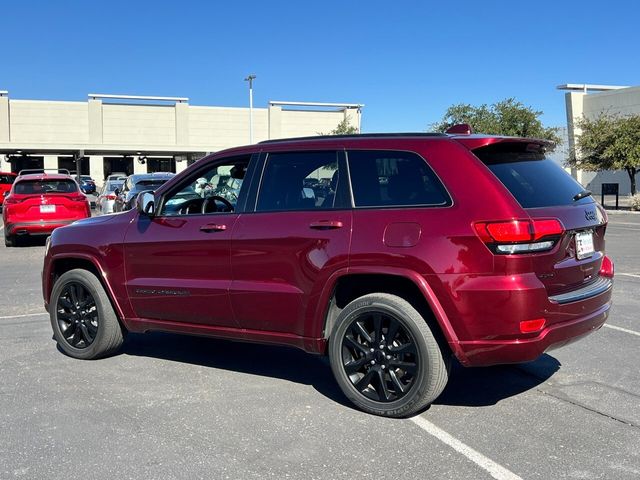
{"x":36,"y":228}
{"x":486,"y":312}
{"x":492,"y":352}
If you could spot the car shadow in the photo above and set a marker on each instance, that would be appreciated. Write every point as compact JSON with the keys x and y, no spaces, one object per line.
{"x":484,"y":386}
{"x":472,"y":387}
{"x":30,"y":241}
{"x":285,"y":363}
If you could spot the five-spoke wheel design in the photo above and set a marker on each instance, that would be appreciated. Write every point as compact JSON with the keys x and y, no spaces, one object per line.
{"x":379,"y":356}
{"x":77,"y":315}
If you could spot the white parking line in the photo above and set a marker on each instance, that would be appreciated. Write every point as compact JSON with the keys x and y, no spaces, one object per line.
{"x":625,"y":330}
{"x":633,"y":275}
{"x":494,"y":469}
{"x":24,"y":315}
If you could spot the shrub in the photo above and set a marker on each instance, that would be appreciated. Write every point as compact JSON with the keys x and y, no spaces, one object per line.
{"x":635,"y":201}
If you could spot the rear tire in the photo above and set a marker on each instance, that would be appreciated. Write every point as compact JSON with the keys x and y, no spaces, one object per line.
{"x":9,"y":240}
{"x":385,"y":357}
{"x":84,"y":322}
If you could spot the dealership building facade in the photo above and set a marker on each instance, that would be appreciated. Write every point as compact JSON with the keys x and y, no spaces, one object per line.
{"x":136,"y":134}
{"x":589,"y":101}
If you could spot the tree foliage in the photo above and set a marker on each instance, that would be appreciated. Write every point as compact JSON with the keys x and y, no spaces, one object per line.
{"x":343,"y":128}
{"x":608,"y":142}
{"x":507,"y":117}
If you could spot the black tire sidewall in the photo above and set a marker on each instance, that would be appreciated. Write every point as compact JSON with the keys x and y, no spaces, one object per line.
{"x":92,"y":284}
{"x":355,"y":309}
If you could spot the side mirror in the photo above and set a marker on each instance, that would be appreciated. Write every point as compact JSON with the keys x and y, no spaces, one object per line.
{"x":145,"y":204}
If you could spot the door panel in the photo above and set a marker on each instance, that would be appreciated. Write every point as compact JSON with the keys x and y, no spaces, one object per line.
{"x":178,"y":272}
{"x":281,"y":261}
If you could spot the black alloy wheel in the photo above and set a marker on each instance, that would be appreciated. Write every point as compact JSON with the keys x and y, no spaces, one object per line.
{"x":385,"y":357}
{"x":380,"y":357}
{"x":77,"y":315}
{"x":84,"y":322}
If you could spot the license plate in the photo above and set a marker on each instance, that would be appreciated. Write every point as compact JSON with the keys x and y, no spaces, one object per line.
{"x":47,"y":209}
{"x":584,"y":245}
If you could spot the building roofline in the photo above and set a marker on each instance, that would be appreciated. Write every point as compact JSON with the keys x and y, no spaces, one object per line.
{"x":585,"y":87}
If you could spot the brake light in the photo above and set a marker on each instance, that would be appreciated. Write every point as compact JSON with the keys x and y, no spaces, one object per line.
{"x":110,"y":197}
{"x":11,"y":200}
{"x":520,"y":236}
{"x":607,"y":268}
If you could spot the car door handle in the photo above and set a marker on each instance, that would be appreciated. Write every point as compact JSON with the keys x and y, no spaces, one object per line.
{"x":326,"y":224}
{"x":213,"y":227}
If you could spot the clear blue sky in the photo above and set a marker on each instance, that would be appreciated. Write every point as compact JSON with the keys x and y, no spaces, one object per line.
{"x":406,"y":60}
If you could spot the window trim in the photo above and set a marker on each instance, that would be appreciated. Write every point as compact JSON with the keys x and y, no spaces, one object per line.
{"x":449,"y":202}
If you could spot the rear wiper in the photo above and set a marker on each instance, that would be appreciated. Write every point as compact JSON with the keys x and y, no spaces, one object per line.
{"x":582,"y":194}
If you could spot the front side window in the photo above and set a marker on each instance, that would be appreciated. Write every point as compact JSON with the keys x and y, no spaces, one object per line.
{"x":393,"y":179}
{"x":215,"y":190}
{"x":300,"y":181}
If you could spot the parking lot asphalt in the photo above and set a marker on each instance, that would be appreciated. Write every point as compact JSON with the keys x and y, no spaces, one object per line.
{"x":172,"y":406}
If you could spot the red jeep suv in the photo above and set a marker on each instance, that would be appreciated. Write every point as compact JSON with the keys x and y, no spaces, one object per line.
{"x":390,"y":253}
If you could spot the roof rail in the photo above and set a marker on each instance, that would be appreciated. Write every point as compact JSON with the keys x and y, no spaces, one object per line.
{"x":356,"y":135}
{"x":27,"y":171}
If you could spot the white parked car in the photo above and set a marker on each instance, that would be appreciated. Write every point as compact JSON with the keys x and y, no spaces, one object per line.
{"x":107,"y":196}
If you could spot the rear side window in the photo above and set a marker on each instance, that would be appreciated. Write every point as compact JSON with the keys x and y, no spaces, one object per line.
{"x":534,"y":180}
{"x":393,"y":179}
{"x":301,"y":181}
{"x":39,"y":187}
{"x":7,"y":179}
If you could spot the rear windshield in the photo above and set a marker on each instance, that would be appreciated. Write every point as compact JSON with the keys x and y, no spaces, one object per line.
{"x":111,"y":186}
{"x":149,"y":183}
{"x":30,"y":187}
{"x":7,"y":179}
{"x":534,"y":180}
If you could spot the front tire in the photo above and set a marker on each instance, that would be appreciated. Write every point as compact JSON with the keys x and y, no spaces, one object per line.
{"x":84,"y":322}
{"x":385,"y":357}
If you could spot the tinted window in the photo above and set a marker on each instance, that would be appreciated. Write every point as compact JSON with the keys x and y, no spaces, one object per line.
{"x":388,"y":178}
{"x":300,"y":181}
{"x":33,"y":187}
{"x":534,"y":181}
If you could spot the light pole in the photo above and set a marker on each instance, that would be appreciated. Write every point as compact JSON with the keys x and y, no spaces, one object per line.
{"x":250,"y":79}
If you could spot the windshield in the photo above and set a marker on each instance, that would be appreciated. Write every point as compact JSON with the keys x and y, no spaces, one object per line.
{"x":39,"y":187}
{"x":534,"y":180}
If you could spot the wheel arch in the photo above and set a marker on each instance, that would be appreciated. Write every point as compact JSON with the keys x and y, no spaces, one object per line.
{"x":63,"y":263}
{"x":356,"y":282}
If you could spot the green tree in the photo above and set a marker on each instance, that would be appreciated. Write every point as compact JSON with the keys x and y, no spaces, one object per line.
{"x":608,"y":142}
{"x":507,"y":117}
{"x":343,"y":128}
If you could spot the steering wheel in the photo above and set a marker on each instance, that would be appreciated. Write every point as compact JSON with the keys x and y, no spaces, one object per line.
{"x":208,"y":200}
{"x":188,"y":207}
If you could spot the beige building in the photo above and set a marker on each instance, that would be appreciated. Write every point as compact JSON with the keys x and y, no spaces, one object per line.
{"x":135,"y":134}
{"x":585,"y":100}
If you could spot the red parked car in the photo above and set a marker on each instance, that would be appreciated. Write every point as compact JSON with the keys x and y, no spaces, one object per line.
{"x":423,"y":247}
{"x":6,"y":180}
{"x":40,"y":202}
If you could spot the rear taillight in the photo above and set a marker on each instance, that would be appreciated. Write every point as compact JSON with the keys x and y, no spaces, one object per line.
{"x":520,"y":236}
{"x":607,"y":269}
{"x":110,"y":197}
{"x":11,"y":200}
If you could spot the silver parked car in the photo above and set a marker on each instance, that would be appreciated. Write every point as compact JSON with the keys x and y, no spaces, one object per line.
{"x":107,"y":196}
